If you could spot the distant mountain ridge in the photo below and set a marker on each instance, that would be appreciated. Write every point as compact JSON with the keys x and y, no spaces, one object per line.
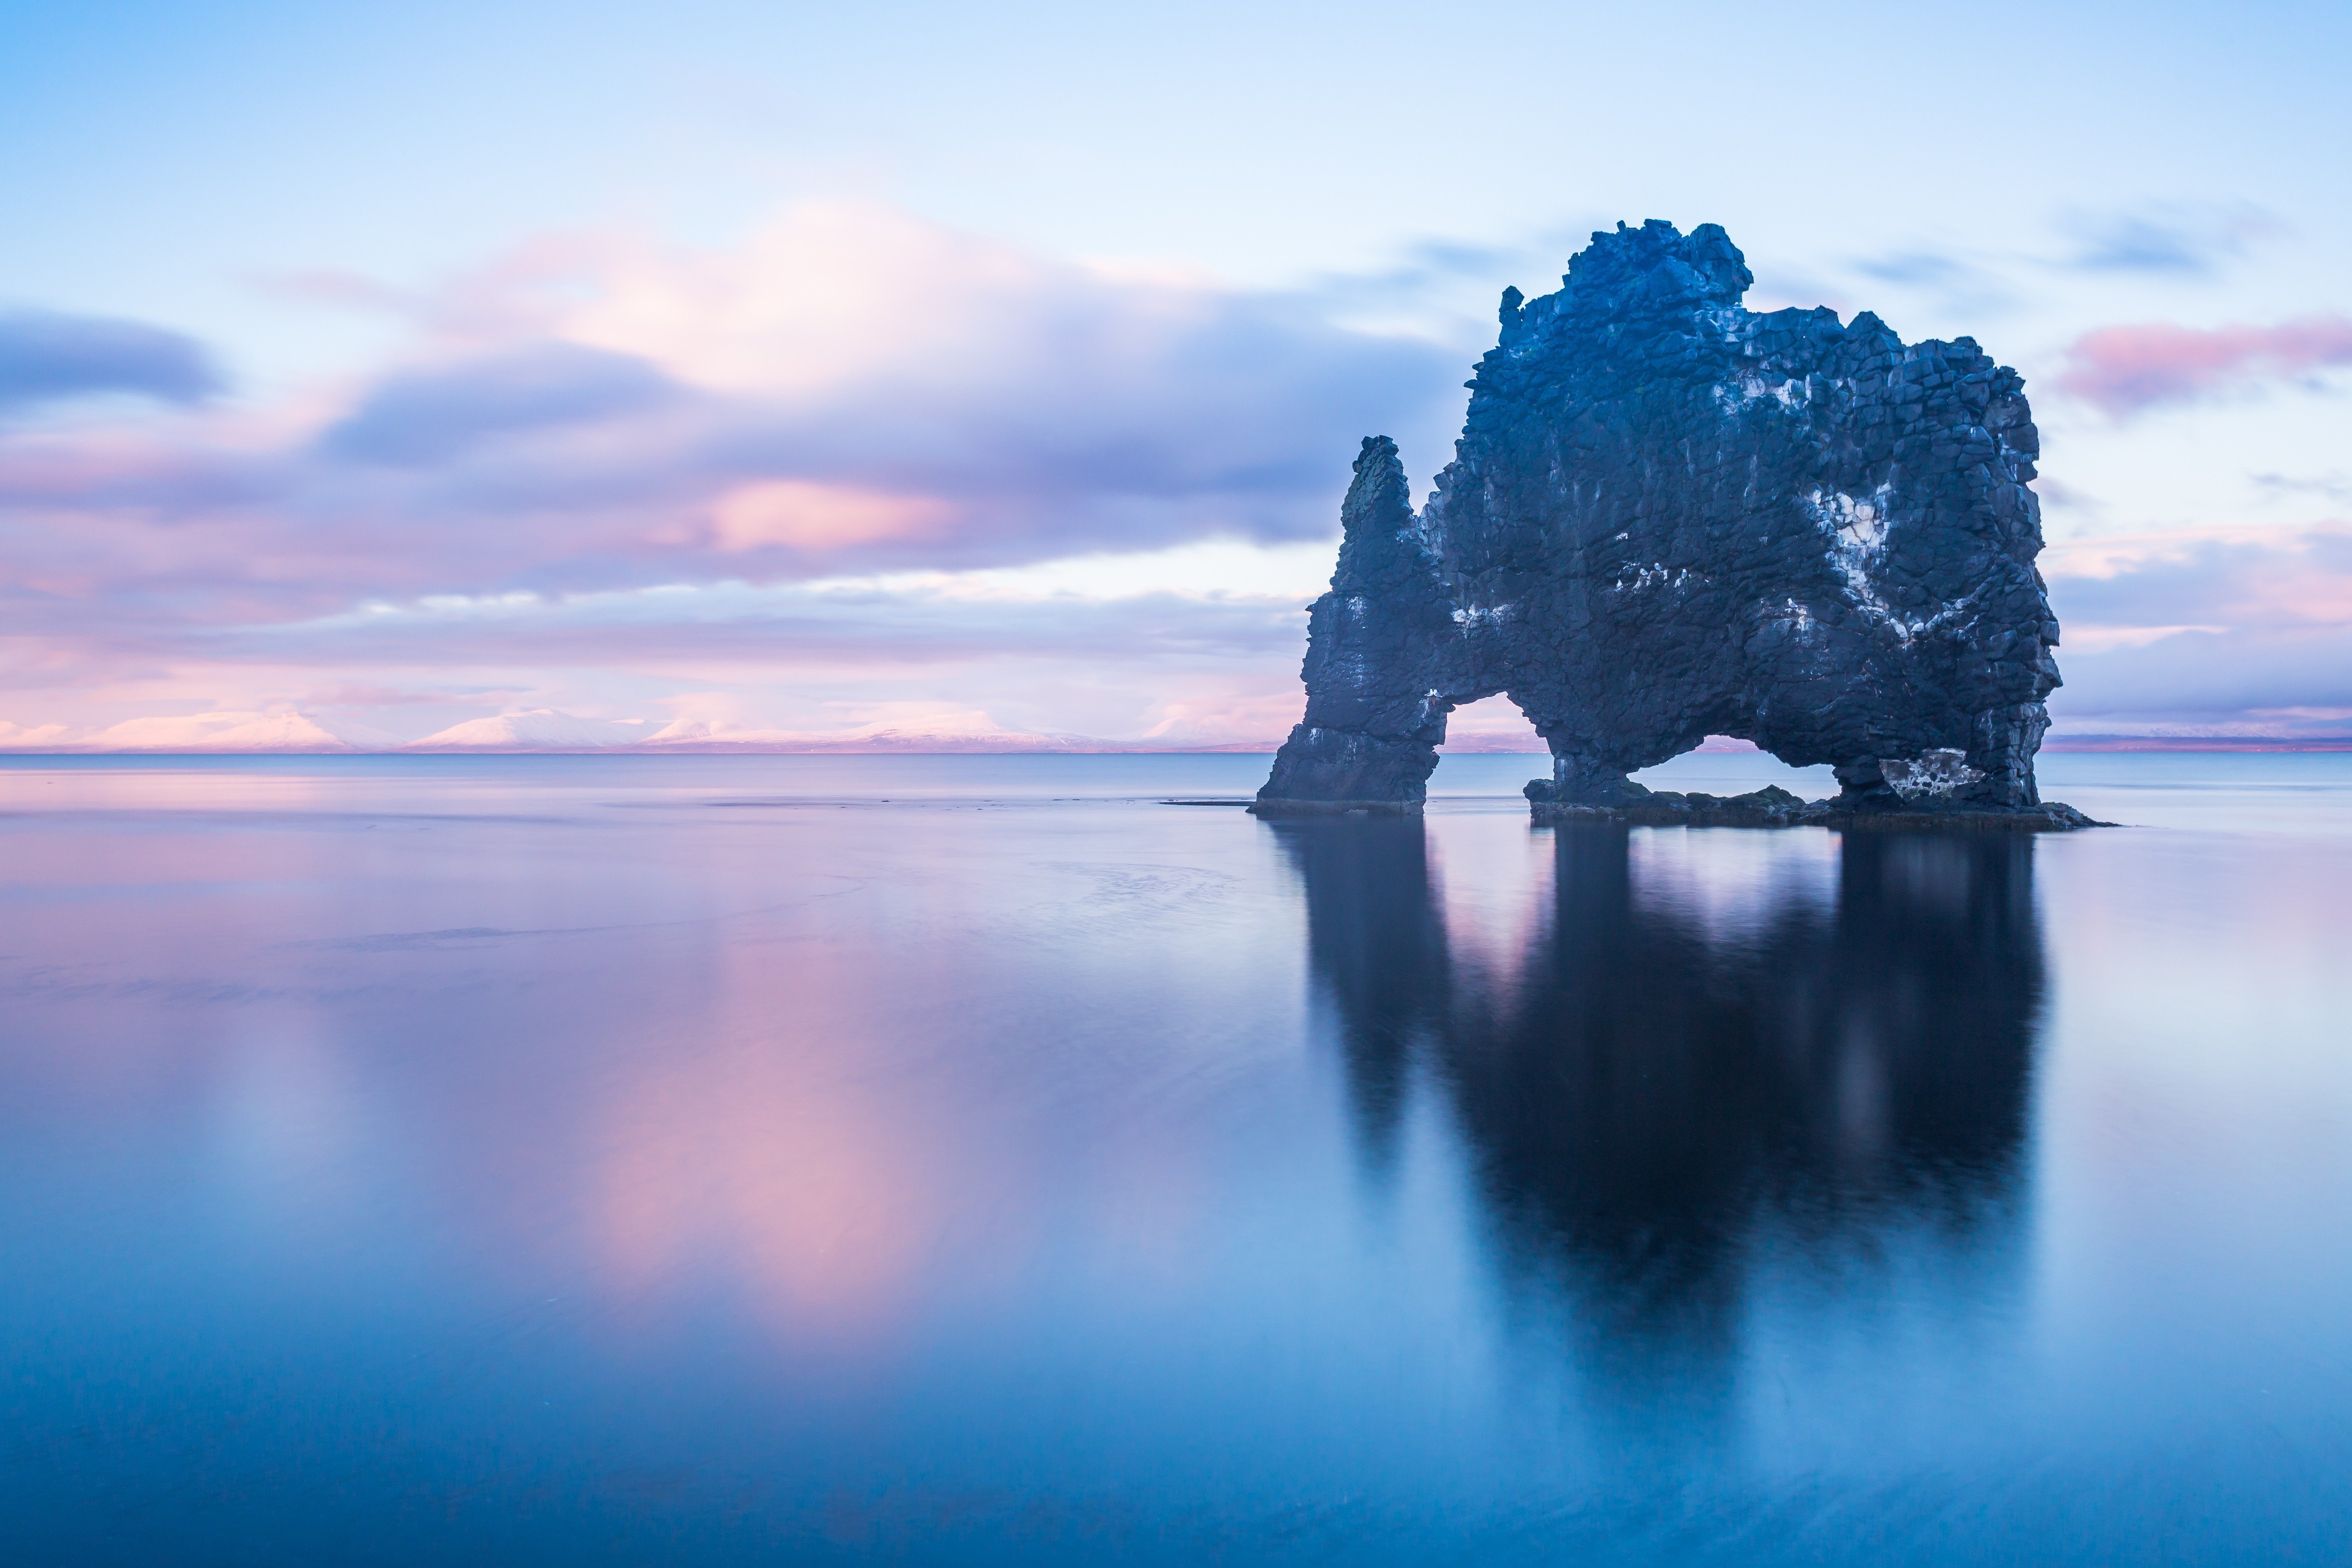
{"x":536,"y":729}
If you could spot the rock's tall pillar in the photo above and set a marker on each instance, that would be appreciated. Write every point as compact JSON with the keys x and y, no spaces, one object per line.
{"x":1378,"y":644}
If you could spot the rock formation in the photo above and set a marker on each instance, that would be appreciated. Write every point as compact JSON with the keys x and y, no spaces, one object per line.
{"x":1668,"y":518}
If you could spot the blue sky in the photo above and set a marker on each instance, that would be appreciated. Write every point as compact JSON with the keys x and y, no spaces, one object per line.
{"x":771,"y":368}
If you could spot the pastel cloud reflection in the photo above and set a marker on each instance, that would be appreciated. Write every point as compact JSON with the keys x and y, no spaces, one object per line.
{"x":822,"y":1207}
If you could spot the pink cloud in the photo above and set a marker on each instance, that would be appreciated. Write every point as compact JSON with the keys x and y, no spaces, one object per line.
{"x":2124,"y":371}
{"x":2227,"y":577}
{"x":2206,"y":628}
{"x":2245,"y":630}
{"x":798,"y":514}
{"x":851,"y":390}
{"x":805,"y":659}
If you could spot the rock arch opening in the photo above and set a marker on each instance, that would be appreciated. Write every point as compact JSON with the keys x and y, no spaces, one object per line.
{"x":1490,"y":725}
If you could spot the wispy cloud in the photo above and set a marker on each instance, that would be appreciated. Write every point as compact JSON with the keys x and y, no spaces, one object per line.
{"x":2334,"y":485}
{"x":1959,"y":284}
{"x":745,"y":662}
{"x":907,"y":621}
{"x":2235,"y":628}
{"x":424,"y":418}
{"x":2125,"y":371}
{"x":2179,"y":244}
{"x":2170,"y":240}
{"x":2059,"y":496}
{"x":47,"y":356}
{"x":851,"y":391}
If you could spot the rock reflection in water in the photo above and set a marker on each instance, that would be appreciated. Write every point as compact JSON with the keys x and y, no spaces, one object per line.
{"x":1652,"y":1095}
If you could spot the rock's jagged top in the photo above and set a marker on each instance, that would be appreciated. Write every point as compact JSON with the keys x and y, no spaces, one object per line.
{"x":1670,"y":517}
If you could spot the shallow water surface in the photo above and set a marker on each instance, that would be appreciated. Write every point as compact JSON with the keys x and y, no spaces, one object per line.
{"x":975,"y":1161}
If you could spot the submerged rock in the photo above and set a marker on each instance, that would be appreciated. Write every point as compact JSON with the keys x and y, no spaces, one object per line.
{"x":1669,"y":516}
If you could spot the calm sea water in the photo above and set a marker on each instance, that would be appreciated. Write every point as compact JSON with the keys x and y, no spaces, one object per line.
{"x":973,"y":1160}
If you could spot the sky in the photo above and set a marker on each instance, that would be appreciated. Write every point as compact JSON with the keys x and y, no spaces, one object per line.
{"x":732,"y":370}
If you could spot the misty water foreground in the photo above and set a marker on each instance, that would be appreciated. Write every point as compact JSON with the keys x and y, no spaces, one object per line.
{"x":969,"y":1159}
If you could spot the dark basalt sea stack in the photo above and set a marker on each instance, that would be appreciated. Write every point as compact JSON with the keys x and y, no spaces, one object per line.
{"x":1669,"y":518}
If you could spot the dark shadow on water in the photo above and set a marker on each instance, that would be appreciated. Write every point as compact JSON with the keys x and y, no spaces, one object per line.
{"x":1656,"y":1110}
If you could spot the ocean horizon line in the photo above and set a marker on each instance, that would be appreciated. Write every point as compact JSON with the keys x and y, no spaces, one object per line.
{"x":2064,"y":744}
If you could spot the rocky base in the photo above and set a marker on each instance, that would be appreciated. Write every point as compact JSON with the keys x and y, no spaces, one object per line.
{"x":1773,"y":807}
